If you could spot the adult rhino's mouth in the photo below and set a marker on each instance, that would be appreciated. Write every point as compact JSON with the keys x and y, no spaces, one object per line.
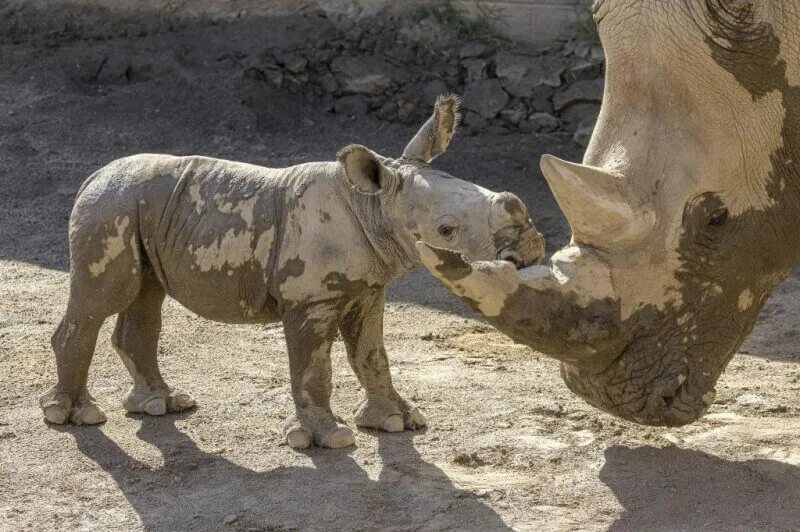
{"x":676,"y":396}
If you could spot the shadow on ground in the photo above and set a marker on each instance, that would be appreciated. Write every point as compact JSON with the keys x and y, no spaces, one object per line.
{"x":678,"y":489}
{"x":195,"y":489}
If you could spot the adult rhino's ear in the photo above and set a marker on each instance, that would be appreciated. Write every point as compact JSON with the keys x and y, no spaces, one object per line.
{"x":434,"y":136}
{"x":365,"y":170}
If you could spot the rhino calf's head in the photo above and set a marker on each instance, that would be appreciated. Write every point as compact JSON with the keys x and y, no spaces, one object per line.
{"x":422,"y":203}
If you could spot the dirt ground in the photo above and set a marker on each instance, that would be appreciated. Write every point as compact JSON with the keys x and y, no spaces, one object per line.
{"x":508,"y":446}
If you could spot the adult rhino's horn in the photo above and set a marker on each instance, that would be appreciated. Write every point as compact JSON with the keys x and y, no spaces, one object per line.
{"x":599,"y":205}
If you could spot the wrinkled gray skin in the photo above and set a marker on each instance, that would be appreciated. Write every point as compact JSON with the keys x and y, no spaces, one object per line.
{"x":685,"y":213}
{"x":313,"y":246}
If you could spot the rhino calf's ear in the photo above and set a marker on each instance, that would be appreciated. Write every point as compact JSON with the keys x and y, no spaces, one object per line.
{"x":365,"y":171}
{"x":435,"y":134}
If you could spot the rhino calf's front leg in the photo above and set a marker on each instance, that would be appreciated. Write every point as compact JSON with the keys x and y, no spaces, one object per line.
{"x":362,"y":331}
{"x":310,"y":332}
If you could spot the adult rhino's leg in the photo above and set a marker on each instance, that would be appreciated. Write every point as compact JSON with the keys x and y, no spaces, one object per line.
{"x":135,"y":339}
{"x":310,"y":331}
{"x":383,"y":408}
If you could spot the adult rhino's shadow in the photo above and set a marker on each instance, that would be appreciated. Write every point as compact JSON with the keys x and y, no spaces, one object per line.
{"x":198,"y":490}
{"x":678,"y":489}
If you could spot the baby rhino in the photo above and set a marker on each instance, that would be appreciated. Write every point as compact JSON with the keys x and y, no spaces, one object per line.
{"x":313,"y":246}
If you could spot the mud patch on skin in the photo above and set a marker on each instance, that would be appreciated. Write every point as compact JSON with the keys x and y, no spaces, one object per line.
{"x":452,"y":265}
{"x":113,"y":246}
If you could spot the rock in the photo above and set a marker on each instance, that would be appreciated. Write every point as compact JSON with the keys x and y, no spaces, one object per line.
{"x":579,"y":92}
{"x":476,"y":69}
{"x":85,"y":69}
{"x":541,"y":99}
{"x":474,"y":49}
{"x":401,"y":53}
{"x":580,"y":112}
{"x":363,"y":75}
{"x":294,"y":63}
{"x":514,"y":114}
{"x":583,"y":70}
{"x":583,"y":133}
{"x":388,"y":111}
{"x":474,"y":121}
{"x":328,"y":83}
{"x":355,"y":105}
{"x":114,"y":70}
{"x":231,"y":519}
{"x":520,"y":74}
{"x":485,"y":97}
{"x":273,"y":77}
{"x":542,"y":123}
{"x":432,"y":90}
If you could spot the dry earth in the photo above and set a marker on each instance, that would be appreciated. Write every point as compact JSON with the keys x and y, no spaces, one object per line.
{"x":508,"y":446}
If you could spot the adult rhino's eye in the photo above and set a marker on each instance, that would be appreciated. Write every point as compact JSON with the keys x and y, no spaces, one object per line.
{"x":447,"y":231}
{"x":718,"y":217}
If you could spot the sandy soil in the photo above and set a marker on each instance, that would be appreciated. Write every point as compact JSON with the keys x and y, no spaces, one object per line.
{"x":508,"y":446}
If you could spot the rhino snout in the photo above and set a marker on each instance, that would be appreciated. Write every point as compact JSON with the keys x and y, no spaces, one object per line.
{"x":527,"y":251}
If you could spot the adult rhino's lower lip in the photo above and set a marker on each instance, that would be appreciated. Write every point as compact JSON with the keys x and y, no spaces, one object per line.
{"x":672,"y":400}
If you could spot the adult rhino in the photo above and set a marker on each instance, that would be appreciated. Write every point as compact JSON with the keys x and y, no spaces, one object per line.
{"x":685,"y":212}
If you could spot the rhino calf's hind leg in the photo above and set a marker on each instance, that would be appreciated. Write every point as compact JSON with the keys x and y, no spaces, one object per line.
{"x":362,"y":331}
{"x":135,"y":339}
{"x":310,"y":332}
{"x":73,"y":344}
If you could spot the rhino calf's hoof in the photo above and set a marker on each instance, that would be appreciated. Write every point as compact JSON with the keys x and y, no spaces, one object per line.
{"x":81,"y":414}
{"x":148,"y":403}
{"x":341,"y":436}
{"x":299,"y":438}
{"x":389,"y":415}
{"x":59,"y":409}
{"x":393,"y":423}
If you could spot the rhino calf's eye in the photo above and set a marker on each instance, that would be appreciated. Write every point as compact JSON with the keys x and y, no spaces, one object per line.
{"x":718,"y":217}
{"x":447,"y":231}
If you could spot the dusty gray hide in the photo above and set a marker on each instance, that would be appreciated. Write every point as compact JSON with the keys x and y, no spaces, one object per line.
{"x":313,"y":246}
{"x":685,"y":212}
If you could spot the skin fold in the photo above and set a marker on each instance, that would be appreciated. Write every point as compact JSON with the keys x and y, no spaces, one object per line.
{"x":313,"y":246}
{"x":685,"y":212}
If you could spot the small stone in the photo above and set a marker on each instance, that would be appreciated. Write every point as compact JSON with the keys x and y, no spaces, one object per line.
{"x":485,"y":97}
{"x":388,"y":111}
{"x":514,"y":114}
{"x":273,"y":77}
{"x":231,"y":519}
{"x":328,"y":83}
{"x":473,"y":49}
{"x":294,"y":63}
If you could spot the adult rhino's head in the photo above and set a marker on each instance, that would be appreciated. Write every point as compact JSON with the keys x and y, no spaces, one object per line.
{"x":427,"y":204}
{"x":685,"y":213}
